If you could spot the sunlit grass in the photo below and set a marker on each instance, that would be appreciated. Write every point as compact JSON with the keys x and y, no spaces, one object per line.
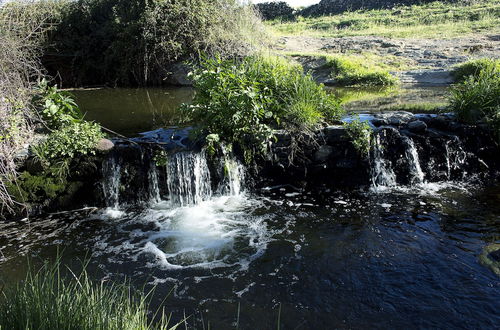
{"x":436,"y":19}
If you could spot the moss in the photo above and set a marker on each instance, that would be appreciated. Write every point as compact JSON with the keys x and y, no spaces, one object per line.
{"x":36,"y":188}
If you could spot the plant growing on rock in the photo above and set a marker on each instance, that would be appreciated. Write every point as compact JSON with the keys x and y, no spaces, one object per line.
{"x":244,"y":100}
{"x":360,"y":134}
{"x":477,"y":99}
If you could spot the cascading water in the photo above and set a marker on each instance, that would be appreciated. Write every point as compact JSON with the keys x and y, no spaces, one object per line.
{"x":188,"y":178}
{"x":382,"y":175}
{"x":416,"y":173}
{"x":111,"y":183}
{"x":456,"y":158}
{"x":153,"y":184}
{"x":196,"y":227}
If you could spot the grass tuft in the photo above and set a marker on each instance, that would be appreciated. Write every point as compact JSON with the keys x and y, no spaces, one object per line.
{"x":48,"y":300}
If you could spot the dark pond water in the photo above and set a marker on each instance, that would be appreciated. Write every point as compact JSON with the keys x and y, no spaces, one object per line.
{"x":131,"y":111}
{"x":358,"y":260}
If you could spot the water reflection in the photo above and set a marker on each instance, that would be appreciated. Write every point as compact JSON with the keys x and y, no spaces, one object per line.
{"x":131,"y":111}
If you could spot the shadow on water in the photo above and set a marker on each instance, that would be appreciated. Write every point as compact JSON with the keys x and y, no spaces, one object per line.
{"x":131,"y":111}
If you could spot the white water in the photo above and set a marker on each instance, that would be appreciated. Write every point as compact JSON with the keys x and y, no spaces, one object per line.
{"x":194,"y":228}
{"x":382,"y":175}
{"x":111,"y":182}
{"x":188,"y":178}
{"x":416,"y":173}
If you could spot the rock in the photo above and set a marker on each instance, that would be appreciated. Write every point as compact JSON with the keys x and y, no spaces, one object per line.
{"x":490,"y":257}
{"x":105,"y":145}
{"x":417,"y":126}
{"x":335,"y":133}
{"x":323,"y":154}
{"x":396,"y":118}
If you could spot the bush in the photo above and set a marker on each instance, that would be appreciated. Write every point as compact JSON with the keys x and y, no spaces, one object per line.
{"x":275,"y":10}
{"x":91,"y":40}
{"x":244,"y":100}
{"x":477,"y":99}
{"x":46,"y":300}
{"x":360,"y":134}
{"x":352,"y":72}
{"x":473,"y":68}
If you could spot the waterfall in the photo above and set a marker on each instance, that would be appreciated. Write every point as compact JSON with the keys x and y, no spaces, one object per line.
{"x":153,"y":184}
{"x":111,"y":183}
{"x":382,"y":175}
{"x":234,"y":174}
{"x":416,"y":173}
{"x":456,"y":158}
{"x":188,"y":178}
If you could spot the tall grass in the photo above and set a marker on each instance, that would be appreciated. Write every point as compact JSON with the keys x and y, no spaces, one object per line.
{"x":45,"y":299}
{"x":437,"y":19}
{"x":477,"y":99}
{"x":473,"y":68}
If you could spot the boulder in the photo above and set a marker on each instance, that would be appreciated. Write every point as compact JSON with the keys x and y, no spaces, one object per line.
{"x":105,"y":145}
{"x":323,"y":154}
{"x":417,"y":126}
{"x":335,"y":134}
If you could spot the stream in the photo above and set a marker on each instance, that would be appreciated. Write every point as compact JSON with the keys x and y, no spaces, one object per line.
{"x":386,"y":257}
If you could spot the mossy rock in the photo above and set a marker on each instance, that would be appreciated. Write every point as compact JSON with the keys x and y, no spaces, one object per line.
{"x":490,"y":257}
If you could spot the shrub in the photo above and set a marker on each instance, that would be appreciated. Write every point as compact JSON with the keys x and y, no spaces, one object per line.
{"x":275,"y":10}
{"x":47,"y":300}
{"x":244,"y":100}
{"x":473,"y":68}
{"x":56,"y":108}
{"x":360,"y":134}
{"x":91,"y":40}
{"x":477,"y":99}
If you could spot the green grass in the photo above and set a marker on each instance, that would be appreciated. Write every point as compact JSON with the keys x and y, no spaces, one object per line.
{"x":472,"y":68}
{"x":477,"y":99}
{"x":436,"y":19}
{"x":46,"y":299}
{"x":365,"y":70}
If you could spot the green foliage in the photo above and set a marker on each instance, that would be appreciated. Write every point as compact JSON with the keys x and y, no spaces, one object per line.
{"x":90,"y":42}
{"x":351,"y":71}
{"x":57,"y":108}
{"x":474,"y":67}
{"x":244,"y":100}
{"x":160,"y":158}
{"x":47,"y":299}
{"x":360,"y":134}
{"x":70,"y":141}
{"x":477,"y":99}
{"x":437,"y":19}
{"x":35,"y":188}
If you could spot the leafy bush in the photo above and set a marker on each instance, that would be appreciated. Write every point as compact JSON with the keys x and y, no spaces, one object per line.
{"x":351,"y":72}
{"x":70,"y":141}
{"x":244,"y":100}
{"x":360,"y":134}
{"x":90,"y":42}
{"x":473,"y":68}
{"x":477,"y":99}
{"x":57,"y":108}
{"x":35,"y":188}
{"x":46,"y":300}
